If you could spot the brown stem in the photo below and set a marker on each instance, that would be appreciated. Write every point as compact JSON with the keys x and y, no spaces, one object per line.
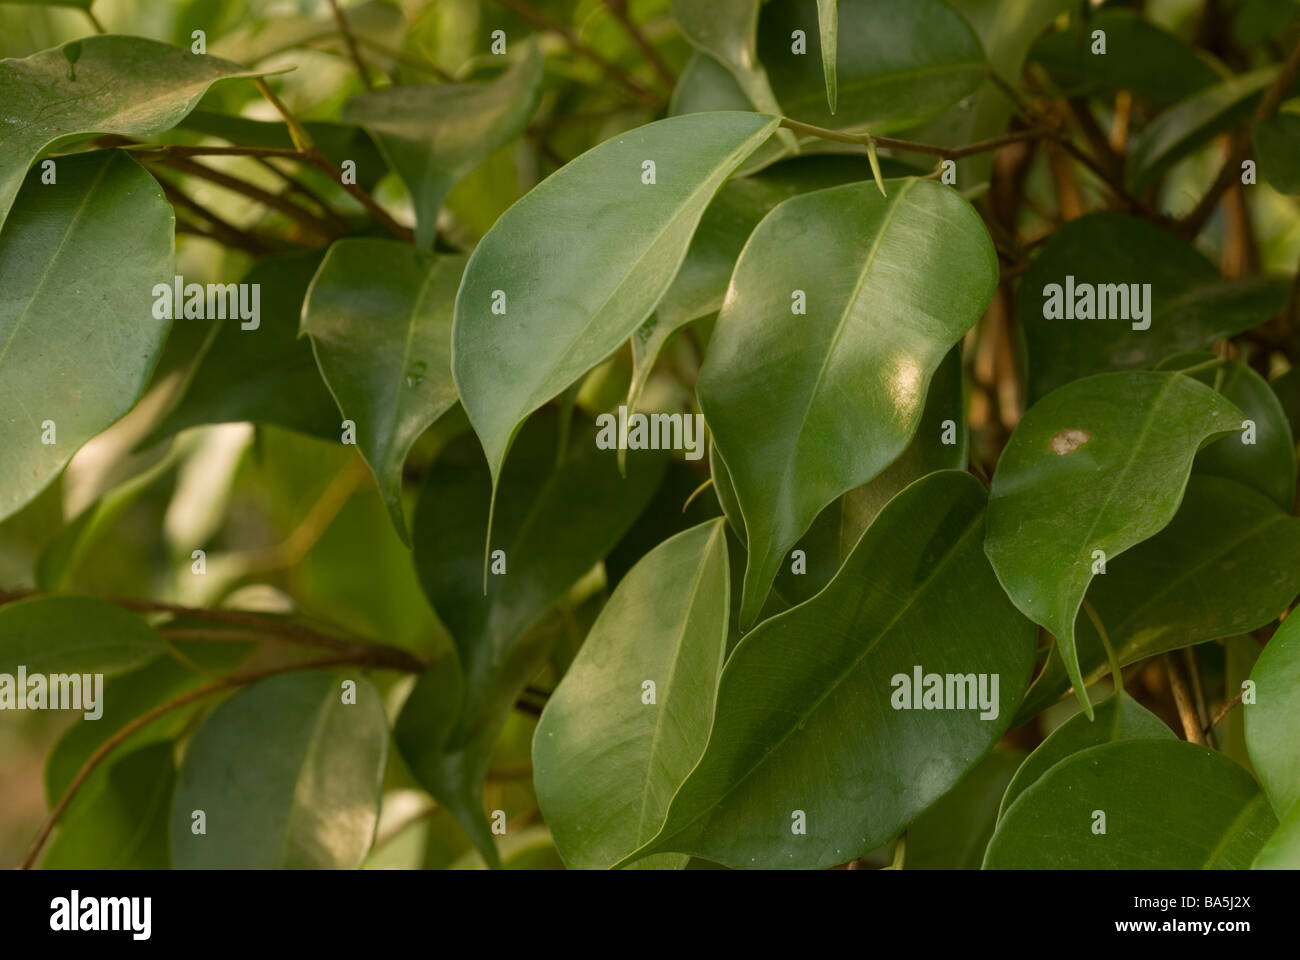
{"x":221,"y":231}
{"x":544,"y":22}
{"x":149,"y":151}
{"x":1224,"y":711}
{"x":1191,"y":225}
{"x":396,"y":55}
{"x":94,"y":20}
{"x":321,"y":163}
{"x":1183,"y":701}
{"x":619,"y":10}
{"x":293,"y":185}
{"x":912,"y":146}
{"x":350,"y":42}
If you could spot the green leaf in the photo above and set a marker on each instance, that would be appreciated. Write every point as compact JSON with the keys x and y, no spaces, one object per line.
{"x":798,"y":693}
{"x":127,"y":86}
{"x":1270,"y":719}
{"x":888,"y":77}
{"x":572,"y":296}
{"x":953,"y":834}
{"x":706,"y":86}
{"x":78,"y":336}
{"x":1187,"y":305}
{"x":1098,"y":465}
{"x":1287,"y":388}
{"x":553,"y":524}
{"x":1262,"y":456}
{"x":1227,"y":563}
{"x":260,"y":39}
{"x":1277,"y":147}
{"x":55,"y":634}
{"x":1140,"y":57}
{"x":806,"y":407}
{"x":1118,"y":717}
{"x":1191,"y":123}
{"x":265,"y":375}
{"x":828,"y":28}
{"x":379,"y":315}
{"x":433,"y":135}
{"x":606,"y":763}
{"x":1169,"y":805}
{"x":288,"y":776}
{"x":123,"y":825}
{"x":1282,"y":852}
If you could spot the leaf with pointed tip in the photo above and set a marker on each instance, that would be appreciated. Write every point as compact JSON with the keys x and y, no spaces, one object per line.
{"x":902,"y":62}
{"x":433,"y":135}
{"x":606,"y":763}
{"x":265,"y":375}
{"x":828,"y":28}
{"x":78,"y":336}
{"x":806,"y":407}
{"x":553,"y":524}
{"x":61,"y":634}
{"x":1118,"y":717}
{"x":1097,"y":466}
{"x":1264,"y":458}
{"x":1169,"y":805}
{"x":1271,"y":719}
{"x":800,"y":692}
{"x":1189,"y":305}
{"x":127,"y":86}
{"x":581,"y":261}
{"x":379,"y":315}
{"x":1277,"y":146}
{"x":288,"y":775}
{"x":1227,"y":563}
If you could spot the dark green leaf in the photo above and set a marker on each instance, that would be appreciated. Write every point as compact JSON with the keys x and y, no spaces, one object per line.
{"x":953,"y":833}
{"x":1270,"y":719}
{"x":54,"y":635}
{"x":1277,"y":148}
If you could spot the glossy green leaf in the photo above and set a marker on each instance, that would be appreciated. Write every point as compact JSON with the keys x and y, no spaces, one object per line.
{"x":379,"y":315}
{"x":899,"y":62}
{"x":806,"y":717}
{"x":1118,"y":717}
{"x":606,"y":763}
{"x":804,"y":407}
{"x":1270,"y":719}
{"x":1094,"y":468}
{"x":553,"y":524}
{"x":287,"y":774}
{"x":828,"y":28}
{"x":1140,"y":57}
{"x":1169,"y":805}
{"x":1227,"y":563}
{"x":78,"y":335}
{"x":124,"y":824}
{"x":953,"y":834}
{"x":264,"y":375}
{"x":1282,"y":852}
{"x":123,"y":85}
{"x":1261,"y":455}
{"x":1187,"y":305}
{"x":1277,"y":149}
{"x":706,"y":86}
{"x":1192,"y":123}
{"x":1287,"y":389}
{"x":54,"y":635}
{"x":579,"y":263}
{"x":433,"y":135}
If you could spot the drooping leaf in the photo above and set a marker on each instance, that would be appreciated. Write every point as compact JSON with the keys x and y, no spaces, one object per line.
{"x":74,"y":635}
{"x":1277,"y":150}
{"x":1261,"y":455}
{"x":953,"y":834}
{"x":1191,"y":123}
{"x":263,"y":375}
{"x":579,"y":263}
{"x":553,"y":524}
{"x":1118,"y":717}
{"x":1168,"y":805}
{"x":1187,"y":305}
{"x":799,"y":694}
{"x":79,"y":259}
{"x":828,"y":29}
{"x":379,"y":315}
{"x":1270,"y":720}
{"x":1140,"y":57}
{"x":900,"y":62}
{"x":435,"y":134}
{"x":287,"y":774}
{"x":606,"y":760}
{"x":124,"y":824}
{"x":804,"y":407}
{"x":1093,"y":469}
{"x":127,"y":86}
{"x":1227,"y":563}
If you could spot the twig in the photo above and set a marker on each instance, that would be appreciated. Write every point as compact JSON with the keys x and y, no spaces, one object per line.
{"x":544,"y":22}
{"x":1191,"y":225}
{"x":293,"y":185}
{"x":350,"y":42}
{"x":1224,"y":711}
{"x":297,"y":132}
{"x":892,"y":143}
{"x":322,"y":163}
{"x":221,"y":231}
{"x":94,"y":20}
{"x":1183,"y":701}
{"x":149,"y":151}
{"x":618,"y":8}
{"x":427,"y":66}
